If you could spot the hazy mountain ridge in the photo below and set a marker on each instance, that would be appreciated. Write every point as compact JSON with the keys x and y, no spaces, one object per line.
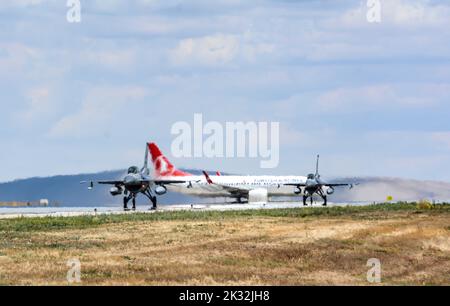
{"x":67,"y":190}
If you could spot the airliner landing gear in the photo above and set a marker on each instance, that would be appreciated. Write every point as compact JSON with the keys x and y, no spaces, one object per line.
{"x":239,"y":200}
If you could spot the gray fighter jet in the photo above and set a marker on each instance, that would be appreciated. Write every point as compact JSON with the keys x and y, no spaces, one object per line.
{"x":315,"y":185}
{"x":137,"y":181}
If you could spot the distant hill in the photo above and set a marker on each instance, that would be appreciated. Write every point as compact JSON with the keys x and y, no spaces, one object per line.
{"x":66,"y":190}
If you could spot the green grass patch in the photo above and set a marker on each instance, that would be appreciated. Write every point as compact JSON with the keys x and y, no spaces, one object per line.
{"x":80,"y":222}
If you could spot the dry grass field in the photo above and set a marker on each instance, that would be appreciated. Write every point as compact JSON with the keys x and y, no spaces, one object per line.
{"x":311,"y":246}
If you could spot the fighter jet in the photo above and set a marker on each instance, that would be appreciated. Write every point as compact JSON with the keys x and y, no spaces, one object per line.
{"x":135,"y":182}
{"x":315,"y":185}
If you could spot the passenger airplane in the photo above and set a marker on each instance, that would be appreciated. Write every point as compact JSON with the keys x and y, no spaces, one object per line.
{"x":250,"y":188}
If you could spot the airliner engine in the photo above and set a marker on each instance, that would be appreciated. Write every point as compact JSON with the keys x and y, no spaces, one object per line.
{"x":258,"y":196}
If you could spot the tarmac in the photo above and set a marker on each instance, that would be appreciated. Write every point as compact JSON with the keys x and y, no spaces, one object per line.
{"x":30,"y":212}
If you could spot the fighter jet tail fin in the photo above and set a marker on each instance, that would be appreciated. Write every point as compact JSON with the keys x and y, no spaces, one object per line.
{"x":317,"y":166}
{"x":161,"y":165}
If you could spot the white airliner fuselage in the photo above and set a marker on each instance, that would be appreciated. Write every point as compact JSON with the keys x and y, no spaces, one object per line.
{"x":198,"y":185}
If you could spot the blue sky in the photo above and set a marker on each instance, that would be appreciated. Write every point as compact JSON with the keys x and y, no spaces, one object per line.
{"x":371,"y":98}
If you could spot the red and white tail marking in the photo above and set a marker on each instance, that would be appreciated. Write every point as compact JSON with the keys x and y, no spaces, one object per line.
{"x":208,"y":179}
{"x":161,"y":165}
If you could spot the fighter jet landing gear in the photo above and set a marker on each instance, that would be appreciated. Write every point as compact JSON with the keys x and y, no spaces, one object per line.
{"x":127,"y":199}
{"x":154,"y":203}
{"x":324,"y":197}
{"x":305,"y":198}
{"x":152,"y":199}
{"x":324,"y":201}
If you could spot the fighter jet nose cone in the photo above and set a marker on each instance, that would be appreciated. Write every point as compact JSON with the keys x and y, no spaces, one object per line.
{"x":129,"y":179}
{"x":311,"y":183}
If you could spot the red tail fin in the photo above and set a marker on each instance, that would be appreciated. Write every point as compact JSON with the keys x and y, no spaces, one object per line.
{"x":208,"y":179}
{"x":161,"y":165}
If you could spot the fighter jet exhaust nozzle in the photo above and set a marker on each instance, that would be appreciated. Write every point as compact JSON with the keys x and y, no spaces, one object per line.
{"x":297,"y":190}
{"x":115,"y":191}
{"x":330,"y":191}
{"x":160,"y":190}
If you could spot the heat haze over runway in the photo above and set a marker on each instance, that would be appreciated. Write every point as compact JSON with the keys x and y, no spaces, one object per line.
{"x":29,"y":212}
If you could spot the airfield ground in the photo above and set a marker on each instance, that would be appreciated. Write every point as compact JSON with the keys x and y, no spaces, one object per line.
{"x":315,"y":246}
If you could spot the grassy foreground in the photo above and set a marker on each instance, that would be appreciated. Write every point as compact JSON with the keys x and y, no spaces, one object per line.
{"x":256,"y":247}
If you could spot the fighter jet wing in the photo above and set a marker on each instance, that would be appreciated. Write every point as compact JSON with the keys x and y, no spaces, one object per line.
{"x":121,"y":183}
{"x":110,"y":182}
{"x":295,"y":184}
{"x":230,"y":189}
{"x":350,"y":185}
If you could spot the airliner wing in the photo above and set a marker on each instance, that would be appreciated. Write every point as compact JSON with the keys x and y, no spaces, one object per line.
{"x":230,"y":189}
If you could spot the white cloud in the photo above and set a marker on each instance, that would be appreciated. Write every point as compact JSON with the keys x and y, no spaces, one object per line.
{"x":210,"y":50}
{"x":101,"y":106}
{"x":39,"y":107}
{"x":113,"y":59}
{"x":21,"y":3}
{"x":387,"y":96}
{"x":15,"y":58}
{"x":376,"y":97}
{"x":218,"y":49}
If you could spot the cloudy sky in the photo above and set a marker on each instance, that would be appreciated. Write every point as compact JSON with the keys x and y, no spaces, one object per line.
{"x":371,"y":98}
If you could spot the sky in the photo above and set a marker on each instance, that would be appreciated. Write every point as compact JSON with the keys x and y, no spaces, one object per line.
{"x":372,"y":98}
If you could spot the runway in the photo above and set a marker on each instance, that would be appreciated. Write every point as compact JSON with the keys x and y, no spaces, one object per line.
{"x":30,"y":212}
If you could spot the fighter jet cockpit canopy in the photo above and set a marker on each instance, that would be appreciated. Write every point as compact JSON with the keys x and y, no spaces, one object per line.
{"x":133,"y":170}
{"x":311,"y":176}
